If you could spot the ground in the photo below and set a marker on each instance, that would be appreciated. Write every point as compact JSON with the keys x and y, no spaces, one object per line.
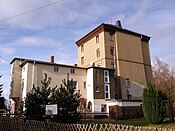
{"x":134,"y":122}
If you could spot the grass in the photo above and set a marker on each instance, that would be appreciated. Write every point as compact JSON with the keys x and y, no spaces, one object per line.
{"x":134,"y":122}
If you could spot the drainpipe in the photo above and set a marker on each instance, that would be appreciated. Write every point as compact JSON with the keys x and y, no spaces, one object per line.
{"x":33,"y":74}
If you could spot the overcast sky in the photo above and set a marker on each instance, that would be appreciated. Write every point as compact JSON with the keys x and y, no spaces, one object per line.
{"x":53,"y":30}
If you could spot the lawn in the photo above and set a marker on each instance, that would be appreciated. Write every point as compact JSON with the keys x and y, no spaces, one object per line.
{"x":134,"y":122}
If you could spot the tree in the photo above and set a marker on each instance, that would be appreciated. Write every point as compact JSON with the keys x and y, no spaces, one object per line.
{"x":37,"y":99}
{"x":153,"y":105}
{"x":2,"y":99}
{"x":164,"y":80}
{"x":67,"y":101}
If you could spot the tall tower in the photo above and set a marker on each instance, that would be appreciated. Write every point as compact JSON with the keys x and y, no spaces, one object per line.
{"x":127,"y":52}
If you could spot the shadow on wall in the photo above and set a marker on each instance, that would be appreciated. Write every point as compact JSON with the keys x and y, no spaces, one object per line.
{"x":135,"y":89}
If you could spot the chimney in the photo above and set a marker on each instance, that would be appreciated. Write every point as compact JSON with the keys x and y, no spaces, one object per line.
{"x":52,"y":59}
{"x":118,"y":24}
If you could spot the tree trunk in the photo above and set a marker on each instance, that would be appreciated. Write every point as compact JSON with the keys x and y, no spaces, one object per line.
{"x":170,"y":111}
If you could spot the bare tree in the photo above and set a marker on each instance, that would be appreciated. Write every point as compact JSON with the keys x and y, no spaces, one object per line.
{"x":164,"y":80}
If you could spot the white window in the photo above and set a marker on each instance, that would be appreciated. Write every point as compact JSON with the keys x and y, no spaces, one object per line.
{"x":103,"y":108}
{"x":97,"y":38}
{"x":56,"y":69}
{"x":82,"y":60}
{"x":127,"y":83}
{"x":98,"y":52}
{"x":107,"y":91}
{"x":72,"y":71}
{"x":106,"y":76}
{"x":82,"y":48}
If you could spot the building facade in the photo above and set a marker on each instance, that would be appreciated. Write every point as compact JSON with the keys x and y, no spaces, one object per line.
{"x":111,"y":46}
{"x":113,"y":69}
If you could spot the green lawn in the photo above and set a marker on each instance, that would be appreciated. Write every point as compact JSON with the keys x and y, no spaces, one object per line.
{"x":134,"y":122}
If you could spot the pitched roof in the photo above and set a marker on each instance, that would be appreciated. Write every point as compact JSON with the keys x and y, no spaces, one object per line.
{"x":25,"y":61}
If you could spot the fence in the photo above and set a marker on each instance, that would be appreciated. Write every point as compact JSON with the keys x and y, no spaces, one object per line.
{"x":14,"y":124}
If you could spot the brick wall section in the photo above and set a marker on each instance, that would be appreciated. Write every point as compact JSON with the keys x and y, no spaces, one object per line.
{"x":99,"y":82}
{"x":125,"y":112}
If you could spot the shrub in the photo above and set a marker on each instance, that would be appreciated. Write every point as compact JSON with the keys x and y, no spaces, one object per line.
{"x":153,"y":105}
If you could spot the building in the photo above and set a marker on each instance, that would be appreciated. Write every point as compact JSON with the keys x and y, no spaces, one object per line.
{"x":113,"y":72}
{"x":123,"y":50}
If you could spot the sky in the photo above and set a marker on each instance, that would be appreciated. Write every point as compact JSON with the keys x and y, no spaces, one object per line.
{"x":54,"y":29}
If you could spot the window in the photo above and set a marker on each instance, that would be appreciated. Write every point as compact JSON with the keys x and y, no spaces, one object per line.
{"x":127,"y":83}
{"x":72,"y":71}
{"x":97,"y":89}
{"x":129,"y":97}
{"x":106,"y":73}
{"x":74,"y":85}
{"x":84,"y":84}
{"x":110,"y":36}
{"x":112,"y":65}
{"x":82,"y":60}
{"x":82,"y":48}
{"x":112,"y":51}
{"x":98,"y":52}
{"x":56,"y":69}
{"x":103,"y":108}
{"x":97,"y":38}
{"x":107,"y":91}
{"x":106,"y":76}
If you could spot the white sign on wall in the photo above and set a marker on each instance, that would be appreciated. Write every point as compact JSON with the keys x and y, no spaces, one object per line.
{"x":51,"y":109}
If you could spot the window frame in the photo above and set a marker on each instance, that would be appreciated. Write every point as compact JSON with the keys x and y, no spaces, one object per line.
{"x":112,"y":51}
{"x":127,"y":83}
{"x":106,"y":76}
{"x":98,"y":52}
{"x":107,"y":91}
{"x":111,"y":36}
{"x":72,"y":71}
{"x":82,"y":60}
{"x":82,"y":48}
{"x":56,"y":69}
{"x":103,"y":108}
{"x":75,"y":84}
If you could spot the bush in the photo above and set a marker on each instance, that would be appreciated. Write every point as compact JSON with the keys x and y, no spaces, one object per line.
{"x":153,"y":105}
